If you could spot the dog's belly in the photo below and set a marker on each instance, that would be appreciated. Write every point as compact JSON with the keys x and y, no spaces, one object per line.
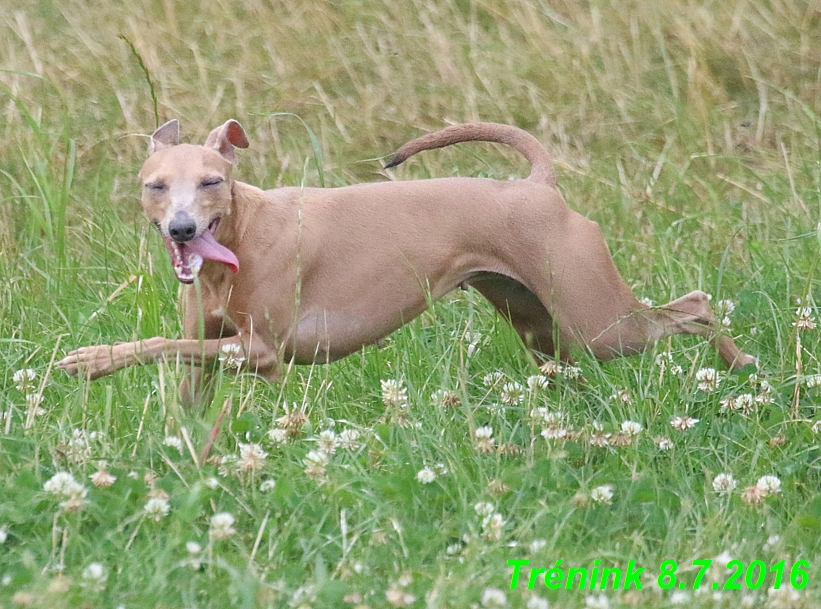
{"x":328,"y":335}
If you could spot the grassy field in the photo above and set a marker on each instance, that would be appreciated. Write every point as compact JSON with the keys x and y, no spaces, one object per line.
{"x":412,"y":474}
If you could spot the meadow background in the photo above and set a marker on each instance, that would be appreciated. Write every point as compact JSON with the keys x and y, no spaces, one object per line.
{"x":688,"y":130}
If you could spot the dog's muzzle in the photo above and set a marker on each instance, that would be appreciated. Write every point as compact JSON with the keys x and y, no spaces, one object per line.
{"x":188,"y":250}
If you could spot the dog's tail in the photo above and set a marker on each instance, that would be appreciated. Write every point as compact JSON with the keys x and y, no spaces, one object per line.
{"x":540,"y":163}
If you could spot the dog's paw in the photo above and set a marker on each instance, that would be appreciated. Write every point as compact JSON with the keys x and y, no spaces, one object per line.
{"x":745,"y":359}
{"x":89,"y":362}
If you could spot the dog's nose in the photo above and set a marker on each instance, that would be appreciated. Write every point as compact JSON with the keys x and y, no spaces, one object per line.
{"x":182,"y":227}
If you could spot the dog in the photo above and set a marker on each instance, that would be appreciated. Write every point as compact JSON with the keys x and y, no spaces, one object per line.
{"x":310,"y":275}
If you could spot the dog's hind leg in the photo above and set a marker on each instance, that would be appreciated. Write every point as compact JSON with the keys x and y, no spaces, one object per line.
{"x":525,"y":312}
{"x":596,"y":309}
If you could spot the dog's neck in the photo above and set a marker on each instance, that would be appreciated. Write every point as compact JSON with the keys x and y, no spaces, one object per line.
{"x":233,"y":227}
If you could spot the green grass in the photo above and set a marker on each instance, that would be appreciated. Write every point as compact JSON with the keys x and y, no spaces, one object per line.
{"x":689,"y":131}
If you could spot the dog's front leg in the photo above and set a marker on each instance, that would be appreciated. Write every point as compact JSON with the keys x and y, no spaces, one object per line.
{"x":101,"y":360}
{"x":204,"y":322}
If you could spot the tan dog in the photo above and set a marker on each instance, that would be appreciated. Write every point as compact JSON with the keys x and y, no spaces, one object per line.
{"x":312,"y":274}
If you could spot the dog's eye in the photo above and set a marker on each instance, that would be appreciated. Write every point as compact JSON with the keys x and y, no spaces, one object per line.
{"x":156,"y":225}
{"x":211,"y":182}
{"x":155,"y":186}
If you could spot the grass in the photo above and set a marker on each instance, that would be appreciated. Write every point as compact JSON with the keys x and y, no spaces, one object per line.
{"x":689,"y":131}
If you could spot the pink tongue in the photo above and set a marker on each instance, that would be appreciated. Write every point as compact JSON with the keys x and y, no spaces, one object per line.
{"x":206,"y":246}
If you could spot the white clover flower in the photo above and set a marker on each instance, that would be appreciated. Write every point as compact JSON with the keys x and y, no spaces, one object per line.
{"x":599,"y":440}
{"x":484,"y":432}
{"x":157,"y":508}
{"x":401,"y":416}
{"x":445,"y":398}
{"x":623,"y":396}
{"x":398,"y":597}
{"x":221,"y":526}
{"x":394,"y":392}
{"x":78,"y":447}
{"x":349,"y":439}
{"x":193,"y":547}
{"x":683,"y":423}
{"x":94,"y":575}
{"x":542,"y":415}
{"x":572,"y":372}
{"x":492,"y":379}
{"x":813,"y":380}
{"x":267,"y":485}
{"x":745,"y":403}
{"x":484,"y":509}
{"x":727,"y":403}
{"x":316,"y":462}
{"x":537,"y":602}
{"x":33,"y":401}
{"x":769,"y":484}
{"x":453,"y":549}
{"x":783,"y":598}
{"x":73,"y":504}
{"x":537,"y":545}
{"x":278,"y":436}
{"x":554,"y":432}
{"x":474,"y":341}
{"x":251,"y":457}
{"x":493,"y":597}
{"x":231,"y":355}
{"x":753,"y":495}
{"x":725,"y":308}
{"x":602,"y":494}
{"x":551,"y":368}
{"x":173,"y":442}
{"x":327,"y":441}
{"x":493,"y":525}
{"x":304,"y":597}
{"x":102,"y":478}
{"x":707,"y":379}
{"x":484,"y":442}
{"x":512,"y":393}
{"x":24,"y":379}
{"x":816,"y":427}
{"x":679,"y":597}
{"x":663,"y":358}
{"x":724,"y":483}
{"x":64,"y":485}
{"x":596,"y":602}
{"x":211,"y":483}
{"x":631,"y":428}
{"x":663,"y":442}
{"x":293,"y":420}
{"x":806,"y":321}
{"x":537,"y":382}
{"x":772,"y":542}
{"x":4,"y":534}
{"x":425,"y":475}
{"x":764,"y":393}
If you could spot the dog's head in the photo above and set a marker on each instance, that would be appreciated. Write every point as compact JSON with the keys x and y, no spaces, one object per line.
{"x":186,"y":191}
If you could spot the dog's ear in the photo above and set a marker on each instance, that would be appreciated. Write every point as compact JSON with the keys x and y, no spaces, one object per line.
{"x":225,"y":138}
{"x":166,"y":136}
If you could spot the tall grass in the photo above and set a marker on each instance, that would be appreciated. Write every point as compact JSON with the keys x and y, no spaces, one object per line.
{"x":689,"y":131}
